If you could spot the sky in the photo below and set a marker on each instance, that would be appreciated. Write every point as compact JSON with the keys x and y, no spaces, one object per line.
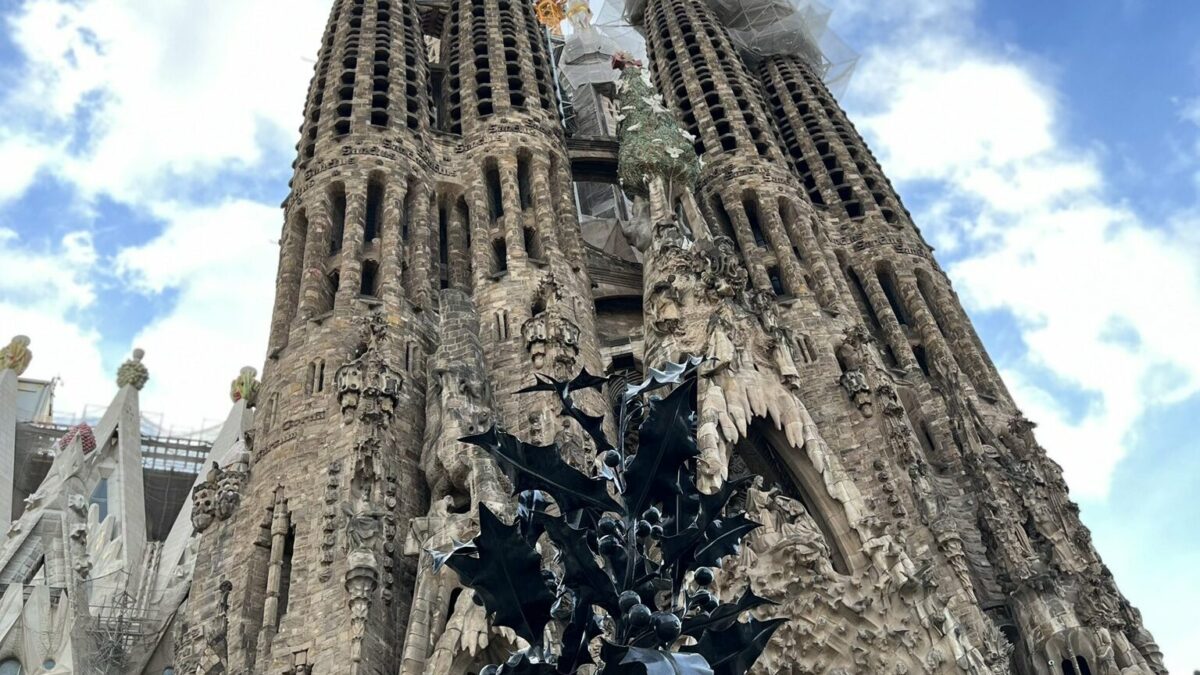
{"x":1050,"y":151}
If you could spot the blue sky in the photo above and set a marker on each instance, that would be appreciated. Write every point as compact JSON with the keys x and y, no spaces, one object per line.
{"x":1049,"y":150}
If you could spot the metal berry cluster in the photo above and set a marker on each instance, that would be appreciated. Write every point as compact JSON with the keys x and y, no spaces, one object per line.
{"x":634,"y":546}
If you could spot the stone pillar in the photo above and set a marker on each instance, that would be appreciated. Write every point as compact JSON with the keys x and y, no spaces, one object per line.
{"x":543,"y":210}
{"x":8,"y":441}
{"x":789,"y":266}
{"x":892,"y":332}
{"x":316,"y":250}
{"x":391,"y":243}
{"x":287,"y":287}
{"x":514,"y":217}
{"x":420,"y":257}
{"x":280,"y":523}
{"x":745,"y":239}
{"x":352,"y":244}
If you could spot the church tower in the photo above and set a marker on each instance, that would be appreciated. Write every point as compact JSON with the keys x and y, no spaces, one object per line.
{"x":433,"y":263}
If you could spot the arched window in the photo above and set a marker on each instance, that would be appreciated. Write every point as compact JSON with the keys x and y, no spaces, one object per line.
{"x":762,"y":453}
{"x":11,"y":667}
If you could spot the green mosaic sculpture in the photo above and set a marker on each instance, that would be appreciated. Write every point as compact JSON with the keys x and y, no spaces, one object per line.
{"x":653,"y":145}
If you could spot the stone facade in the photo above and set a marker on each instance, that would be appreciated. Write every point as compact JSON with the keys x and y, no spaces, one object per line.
{"x":432,"y":263}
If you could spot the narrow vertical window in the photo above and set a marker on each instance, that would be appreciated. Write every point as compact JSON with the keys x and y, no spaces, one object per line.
{"x":337,"y":217}
{"x":494,"y":194}
{"x":285,"y":574}
{"x":369,"y":285}
{"x":752,"y":216}
{"x":524,"y":188}
{"x":374,"y":211}
{"x":499,"y":256}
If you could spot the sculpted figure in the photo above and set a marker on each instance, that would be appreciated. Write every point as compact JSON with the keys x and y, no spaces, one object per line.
{"x":16,"y":356}
{"x":245,"y":387}
{"x":854,"y":378}
{"x":132,"y":372}
{"x":789,"y":536}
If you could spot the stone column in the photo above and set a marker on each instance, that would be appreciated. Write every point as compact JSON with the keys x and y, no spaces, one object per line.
{"x":391,"y":244}
{"x":280,"y":523}
{"x":316,"y":250}
{"x":458,"y":255}
{"x":892,"y":332}
{"x":352,"y":244}
{"x":420,"y":261}
{"x":287,"y":288}
{"x":789,"y":267}
{"x":750,"y":248}
{"x":547,"y":223}
{"x":514,"y":218}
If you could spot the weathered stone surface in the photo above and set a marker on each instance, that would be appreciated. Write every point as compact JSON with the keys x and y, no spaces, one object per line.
{"x":432,"y":263}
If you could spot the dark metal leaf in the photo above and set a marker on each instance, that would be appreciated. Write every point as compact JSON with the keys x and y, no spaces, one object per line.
{"x":585,"y":626}
{"x":672,"y":373}
{"x":521,"y":665}
{"x":593,"y":425}
{"x":644,"y":661}
{"x":457,"y":548}
{"x":540,"y":467}
{"x":581,"y":573}
{"x":724,"y":615}
{"x":507,"y":576}
{"x":666,"y":441}
{"x":734,"y":650}
{"x":723,"y":537}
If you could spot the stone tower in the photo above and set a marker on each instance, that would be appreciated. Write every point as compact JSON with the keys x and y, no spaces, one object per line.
{"x":433,"y":262}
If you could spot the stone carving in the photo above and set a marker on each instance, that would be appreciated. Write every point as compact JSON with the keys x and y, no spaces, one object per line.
{"x":215,"y":650}
{"x":852,"y":357}
{"x":133,"y":373}
{"x":721,"y":274}
{"x":367,"y":385}
{"x":16,"y":355}
{"x":78,"y":504}
{"x":245,"y":387}
{"x":329,"y":518}
{"x":230,"y":481}
{"x":551,"y":338}
{"x":789,"y":541}
{"x":204,"y":500}
{"x":663,"y":313}
{"x":361,"y":581}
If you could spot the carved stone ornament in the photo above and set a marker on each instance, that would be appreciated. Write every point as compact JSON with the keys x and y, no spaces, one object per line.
{"x":550,"y":337}
{"x":368,"y":386}
{"x":16,"y":355}
{"x":852,"y":356}
{"x":361,"y":580}
{"x":204,"y":495}
{"x":245,"y":387}
{"x":133,"y":373}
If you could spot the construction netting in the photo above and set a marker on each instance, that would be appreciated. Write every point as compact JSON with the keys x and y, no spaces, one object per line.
{"x":759,"y":28}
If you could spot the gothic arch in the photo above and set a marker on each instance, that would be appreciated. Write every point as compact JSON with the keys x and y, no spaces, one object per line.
{"x":765,"y":451}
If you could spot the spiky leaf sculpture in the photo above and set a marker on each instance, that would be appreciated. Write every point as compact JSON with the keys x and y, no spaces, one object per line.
{"x":634,"y":546}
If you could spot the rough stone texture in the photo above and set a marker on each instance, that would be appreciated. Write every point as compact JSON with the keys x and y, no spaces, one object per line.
{"x":432,"y":263}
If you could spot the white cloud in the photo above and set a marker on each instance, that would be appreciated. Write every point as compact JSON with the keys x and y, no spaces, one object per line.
{"x":221,"y":261}
{"x":162,"y":89}
{"x":143,"y":103}
{"x":41,"y":289}
{"x":1106,"y":299}
{"x":1043,"y":243}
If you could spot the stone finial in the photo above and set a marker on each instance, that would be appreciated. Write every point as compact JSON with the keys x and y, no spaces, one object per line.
{"x":133,"y":372}
{"x":245,"y":387}
{"x":16,"y":356}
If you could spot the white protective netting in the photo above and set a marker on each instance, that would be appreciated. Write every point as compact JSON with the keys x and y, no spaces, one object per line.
{"x":759,"y":28}
{"x":587,"y":52}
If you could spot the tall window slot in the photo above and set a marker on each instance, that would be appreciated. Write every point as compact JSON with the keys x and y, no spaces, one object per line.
{"x":372,"y":227}
{"x":337,"y":217}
